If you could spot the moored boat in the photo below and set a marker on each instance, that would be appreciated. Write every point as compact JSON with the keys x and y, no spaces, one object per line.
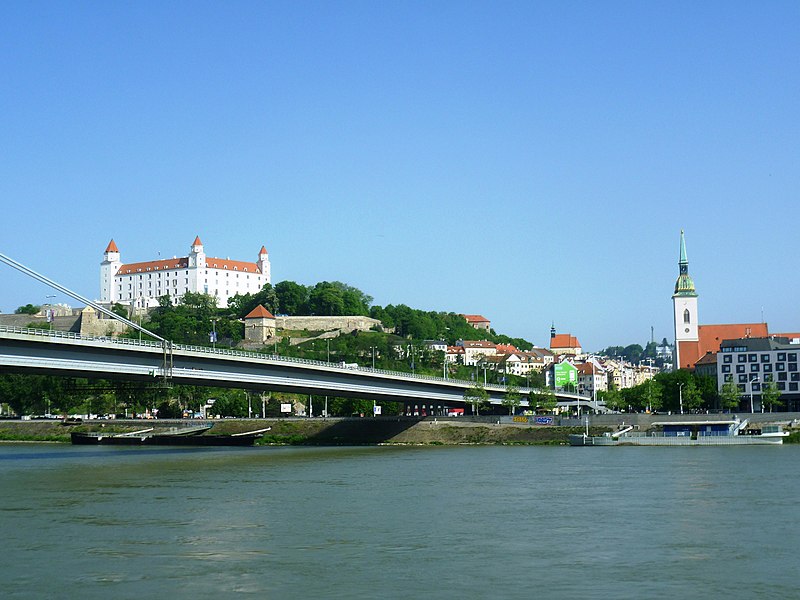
{"x":708,"y":432}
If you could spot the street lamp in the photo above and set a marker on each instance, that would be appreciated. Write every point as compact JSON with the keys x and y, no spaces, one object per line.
{"x":680,"y":395}
{"x":214,"y":333}
{"x":753,"y":378}
{"x":51,"y":315}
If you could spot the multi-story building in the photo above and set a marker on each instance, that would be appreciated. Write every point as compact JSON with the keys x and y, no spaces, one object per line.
{"x":141,"y":284}
{"x":752,"y":362}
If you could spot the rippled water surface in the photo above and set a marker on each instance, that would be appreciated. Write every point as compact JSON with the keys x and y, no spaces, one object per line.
{"x":387,"y":522}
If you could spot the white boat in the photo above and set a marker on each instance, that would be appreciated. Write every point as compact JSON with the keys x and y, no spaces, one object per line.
{"x":722,"y":432}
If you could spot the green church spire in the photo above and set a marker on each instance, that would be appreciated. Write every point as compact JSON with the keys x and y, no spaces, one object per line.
{"x":684,"y":286}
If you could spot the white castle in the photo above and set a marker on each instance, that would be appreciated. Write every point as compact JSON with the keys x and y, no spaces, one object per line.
{"x":141,"y":284}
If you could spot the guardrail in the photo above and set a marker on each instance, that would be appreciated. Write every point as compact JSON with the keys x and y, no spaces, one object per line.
{"x":242,"y":354}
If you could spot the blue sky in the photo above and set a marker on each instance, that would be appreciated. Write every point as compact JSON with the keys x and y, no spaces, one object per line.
{"x":533,"y":162}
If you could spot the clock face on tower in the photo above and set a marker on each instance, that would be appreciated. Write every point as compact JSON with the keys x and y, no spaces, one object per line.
{"x":686,"y":330}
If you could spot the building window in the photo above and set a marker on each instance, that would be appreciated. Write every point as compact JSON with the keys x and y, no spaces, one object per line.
{"x":740,"y":368}
{"x":728,"y":378}
{"x":726,"y":368}
{"x":783,"y":376}
{"x":742,"y":378}
{"x":752,"y":357}
{"x":754,"y":368}
{"x":795,"y":376}
{"x":686,"y":316}
{"x":780,"y":367}
{"x":781,"y":386}
{"x":727,"y":359}
{"x":792,"y":366}
{"x":767,"y":368}
{"x":742,"y":358}
{"x":781,"y":355}
{"x":792,"y":387}
{"x":792,"y":356}
{"x":767,"y":377}
{"x":765,"y":358}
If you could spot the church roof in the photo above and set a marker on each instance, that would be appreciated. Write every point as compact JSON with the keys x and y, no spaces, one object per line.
{"x":262,"y":251}
{"x":197,"y":241}
{"x":711,"y":336}
{"x":564,"y":340}
{"x":259,"y":312}
{"x":112,"y":247}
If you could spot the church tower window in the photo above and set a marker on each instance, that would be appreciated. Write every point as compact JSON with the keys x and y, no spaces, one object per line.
{"x":686,"y":317}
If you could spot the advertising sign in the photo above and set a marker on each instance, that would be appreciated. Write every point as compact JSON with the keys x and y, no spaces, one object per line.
{"x":286,"y":408}
{"x":376,"y":409}
{"x":543,"y":420}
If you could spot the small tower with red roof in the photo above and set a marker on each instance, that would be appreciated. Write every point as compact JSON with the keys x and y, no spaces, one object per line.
{"x":263,"y":264}
{"x":108,"y":268}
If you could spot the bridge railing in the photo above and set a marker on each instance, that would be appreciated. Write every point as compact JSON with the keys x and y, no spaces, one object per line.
{"x":238,"y":353}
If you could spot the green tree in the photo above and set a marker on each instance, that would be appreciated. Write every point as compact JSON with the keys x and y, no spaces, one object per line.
{"x":692,"y":396}
{"x":292,"y":298}
{"x":512,"y":398}
{"x":28,"y":309}
{"x":612,"y":398}
{"x":730,"y":396}
{"x":476,"y":396}
{"x":543,"y":398}
{"x":770,"y":395}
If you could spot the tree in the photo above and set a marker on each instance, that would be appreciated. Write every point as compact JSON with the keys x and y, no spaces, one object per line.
{"x":292,"y":298}
{"x":612,"y":398}
{"x":730,"y":395}
{"x":28,"y":309}
{"x":512,"y":398}
{"x":692,"y":396}
{"x":543,"y":398}
{"x":770,"y":395}
{"x":476,"y":396}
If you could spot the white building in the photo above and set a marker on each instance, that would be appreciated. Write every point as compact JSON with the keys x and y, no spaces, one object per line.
{"x":141,"y":284}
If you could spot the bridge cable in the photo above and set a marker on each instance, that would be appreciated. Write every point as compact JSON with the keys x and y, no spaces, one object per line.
{"x":57,"y":286}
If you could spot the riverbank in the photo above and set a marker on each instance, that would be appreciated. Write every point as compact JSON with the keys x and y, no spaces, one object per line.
{"x":336,"y":432}
{"x":322,"y":432}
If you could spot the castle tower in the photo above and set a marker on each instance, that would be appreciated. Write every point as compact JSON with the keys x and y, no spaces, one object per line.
{"x":263,"y":264}
{"x":197,"y":257}
{"x":684,"y":303}
{"x":108,"y":268}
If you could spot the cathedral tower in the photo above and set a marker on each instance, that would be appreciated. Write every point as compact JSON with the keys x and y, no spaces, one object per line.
{"x":684,"y":302}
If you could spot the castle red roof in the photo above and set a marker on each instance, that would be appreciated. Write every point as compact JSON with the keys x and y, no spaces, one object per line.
{"x":197,"y":241}
{"x":112,"y":247}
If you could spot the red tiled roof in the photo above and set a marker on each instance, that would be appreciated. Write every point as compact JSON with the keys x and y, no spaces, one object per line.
{"x":231,"y":265}
{"x":564,"y":340}
{"x":112,"y":247}
{"x":197,"y":241}
{"x":506,"y":348}
{"x":455,"y":350}
{"x":259,"y":312}
{"x":263,"y":251}
{"x":712,"y":335}
{"x":154,"y":265}
{"x":476,"y":319}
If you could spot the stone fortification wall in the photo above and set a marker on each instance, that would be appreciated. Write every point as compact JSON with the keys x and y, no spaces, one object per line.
{"x":351,"y":323}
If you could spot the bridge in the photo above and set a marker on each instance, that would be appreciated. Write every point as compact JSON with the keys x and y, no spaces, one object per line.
{"x":69,"y":354}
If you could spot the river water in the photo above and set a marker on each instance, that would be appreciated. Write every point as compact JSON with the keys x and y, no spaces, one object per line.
{"x":397,"y":522}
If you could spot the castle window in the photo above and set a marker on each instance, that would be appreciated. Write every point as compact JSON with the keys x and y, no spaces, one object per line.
{"x":686,"y":316}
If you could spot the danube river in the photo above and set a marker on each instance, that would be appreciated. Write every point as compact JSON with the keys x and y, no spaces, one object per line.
{"x":396,"y":522}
